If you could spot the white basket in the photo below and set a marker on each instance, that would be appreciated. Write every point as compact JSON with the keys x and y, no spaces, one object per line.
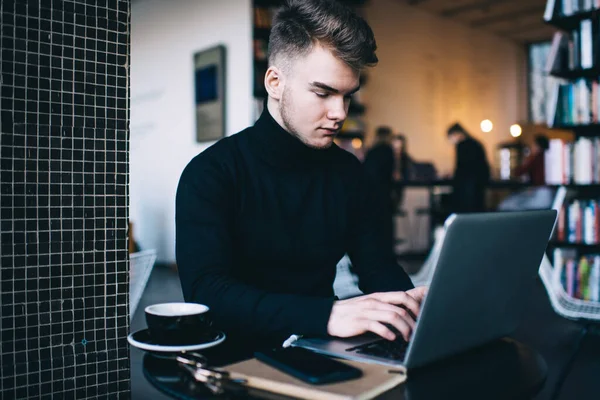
{"x":140,"y":267}
{"x":562,"y":303}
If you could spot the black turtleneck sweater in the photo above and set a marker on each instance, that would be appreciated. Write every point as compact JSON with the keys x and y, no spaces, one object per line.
{"x":261,"y":222}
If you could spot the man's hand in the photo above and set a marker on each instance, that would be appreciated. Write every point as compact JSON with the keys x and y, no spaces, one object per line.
{"x":369,"y":313}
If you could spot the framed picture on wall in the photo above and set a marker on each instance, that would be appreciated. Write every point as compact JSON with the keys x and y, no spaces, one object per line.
{"x":209,"y":88}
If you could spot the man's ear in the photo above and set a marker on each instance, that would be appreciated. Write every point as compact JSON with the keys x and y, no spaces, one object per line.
{"x":274,"y":82}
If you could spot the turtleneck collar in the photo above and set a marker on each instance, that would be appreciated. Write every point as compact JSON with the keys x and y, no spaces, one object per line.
{"x":279,"y":147}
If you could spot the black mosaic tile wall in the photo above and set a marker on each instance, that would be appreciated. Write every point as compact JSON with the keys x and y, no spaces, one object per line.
{"x":64,"y":199}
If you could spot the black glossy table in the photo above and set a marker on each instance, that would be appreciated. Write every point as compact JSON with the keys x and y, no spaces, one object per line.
{"x":504,"y":369}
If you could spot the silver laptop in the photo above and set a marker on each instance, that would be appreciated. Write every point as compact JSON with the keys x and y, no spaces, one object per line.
{"x":485,"y":270}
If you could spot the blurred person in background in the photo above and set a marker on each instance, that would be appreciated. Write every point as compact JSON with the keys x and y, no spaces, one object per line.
{"x":403,"y":168}
{"x":388,"y":165}
{"x":403,"y":161}
{"x":379,"y":160}
{"x":381,"y":168}
{"x":533,"y":167}
{"x":471,"y":172}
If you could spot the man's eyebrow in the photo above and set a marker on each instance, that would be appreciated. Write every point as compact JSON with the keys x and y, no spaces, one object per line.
{"x":323,"y":86}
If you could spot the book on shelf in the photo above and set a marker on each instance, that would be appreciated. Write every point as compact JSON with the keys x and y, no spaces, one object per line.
{"x":557,"y":56}
{"x":579,"y":275}
{"x":574,"y":103}
{"x":552,"y":103}
{"x":573,"y":163}
{"x":566,"y":8}
{"x":579,"y":222}
{"x":569,"y":7}
{"x":586,"y":44}
{"x":263,"y":16}
{"x":574,"y":48}
{"x":260,"y":49}
{"x":577,"y":49}
{"x":550,"y":11}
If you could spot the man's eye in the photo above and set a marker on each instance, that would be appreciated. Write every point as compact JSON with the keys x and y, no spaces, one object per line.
{"x":322,"y":95}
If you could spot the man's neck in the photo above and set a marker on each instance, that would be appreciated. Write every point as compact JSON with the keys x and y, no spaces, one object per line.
{"x":273,"y":108}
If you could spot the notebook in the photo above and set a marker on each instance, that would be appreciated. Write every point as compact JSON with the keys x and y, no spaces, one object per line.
{"x":376,"y":379}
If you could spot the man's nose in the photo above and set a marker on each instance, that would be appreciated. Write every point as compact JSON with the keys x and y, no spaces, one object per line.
{"x":337,"y":109}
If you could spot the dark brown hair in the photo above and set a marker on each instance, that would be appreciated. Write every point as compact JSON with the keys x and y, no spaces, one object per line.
{"x":542,"y":141}
{"x":457,"y":128}
{"x":301,"y":24}
{"x":384,"y":131}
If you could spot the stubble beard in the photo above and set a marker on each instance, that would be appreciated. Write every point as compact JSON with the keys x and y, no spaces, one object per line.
{"x":285,"y":112}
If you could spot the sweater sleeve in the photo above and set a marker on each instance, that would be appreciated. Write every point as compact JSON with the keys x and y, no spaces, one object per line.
{"x":372,"y":256}
{"x":205,"y":212}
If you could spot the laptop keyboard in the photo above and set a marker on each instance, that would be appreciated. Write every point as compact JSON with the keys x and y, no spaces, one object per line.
{"x":392,"y":350}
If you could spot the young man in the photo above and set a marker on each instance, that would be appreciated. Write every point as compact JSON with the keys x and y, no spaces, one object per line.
{"x":263,"y":216}
{"x":471,"y":174}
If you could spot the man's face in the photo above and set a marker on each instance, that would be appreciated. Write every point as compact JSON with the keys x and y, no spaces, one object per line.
{"x":315,"y":99}
{"x":455,"y":137}
{"x":397,"y":145}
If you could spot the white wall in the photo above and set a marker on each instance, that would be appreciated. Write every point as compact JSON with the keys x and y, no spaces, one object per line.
{"x":164,"y":37}
{"x":433,"y":71}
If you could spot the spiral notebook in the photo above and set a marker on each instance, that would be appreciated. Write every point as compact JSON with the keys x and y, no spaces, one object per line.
{"x":376,"y":379}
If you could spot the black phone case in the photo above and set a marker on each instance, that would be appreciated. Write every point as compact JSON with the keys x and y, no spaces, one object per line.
{"x":346,"y":372}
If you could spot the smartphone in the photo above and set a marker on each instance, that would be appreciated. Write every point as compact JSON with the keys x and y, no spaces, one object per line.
{"x":308,"y":366}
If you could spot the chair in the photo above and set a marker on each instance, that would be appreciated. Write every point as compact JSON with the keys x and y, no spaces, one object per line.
{"x":425,"y":274}
{"x":536,"y":198}
{"x":140,"y":267}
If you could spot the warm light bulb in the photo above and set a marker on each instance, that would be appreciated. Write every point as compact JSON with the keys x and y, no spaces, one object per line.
{"x":356,"y":143}
{"x":515,"y":130}
{"x":486,"y":126}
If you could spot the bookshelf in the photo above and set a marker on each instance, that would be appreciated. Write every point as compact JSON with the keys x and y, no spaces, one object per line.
{"x":263,"y":11}
{"x":574,"y":59}
{"x":572,"y":278}
{"x":352,"y":136}
{"x":574,"y":245}
{"x":571,"y":75}
{"x":587,"y":187}
{"x":570,"y":22}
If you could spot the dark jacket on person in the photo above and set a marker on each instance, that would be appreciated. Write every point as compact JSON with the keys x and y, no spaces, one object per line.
{"x":379,"y":164}
{"x":261,"y":223}
{"x":534,"y":169}
{"x":471,"y":174}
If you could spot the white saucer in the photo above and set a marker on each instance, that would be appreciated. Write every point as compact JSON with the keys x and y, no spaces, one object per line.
{"x":141,"y":339}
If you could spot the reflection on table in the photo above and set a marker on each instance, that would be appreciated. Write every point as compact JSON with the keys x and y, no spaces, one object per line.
{"x":504,"y":369}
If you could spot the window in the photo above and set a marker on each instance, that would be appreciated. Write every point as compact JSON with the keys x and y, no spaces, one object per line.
{"x":540,"y":83}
